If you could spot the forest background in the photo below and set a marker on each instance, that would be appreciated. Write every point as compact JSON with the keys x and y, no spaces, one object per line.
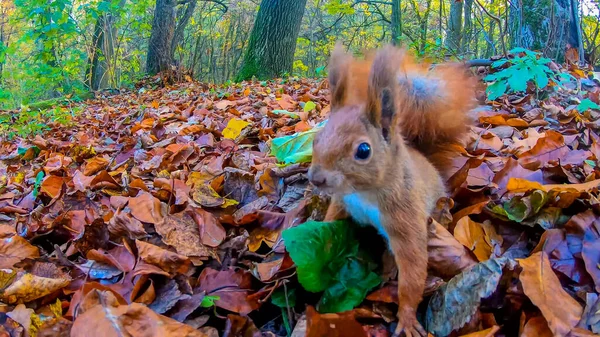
{"x":53,"y":48}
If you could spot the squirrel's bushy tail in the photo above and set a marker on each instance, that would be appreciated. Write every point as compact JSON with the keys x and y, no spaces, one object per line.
{"x":434,"y":107}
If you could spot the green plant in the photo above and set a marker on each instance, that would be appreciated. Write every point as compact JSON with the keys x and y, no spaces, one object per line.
{"x":525,"y":68}
{"x":329,"y":259}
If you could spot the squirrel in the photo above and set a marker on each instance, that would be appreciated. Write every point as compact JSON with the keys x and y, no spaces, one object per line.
{"x":384,"y":152}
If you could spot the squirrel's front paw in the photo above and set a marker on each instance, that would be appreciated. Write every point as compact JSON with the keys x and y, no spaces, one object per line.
{"x":408,"y":325}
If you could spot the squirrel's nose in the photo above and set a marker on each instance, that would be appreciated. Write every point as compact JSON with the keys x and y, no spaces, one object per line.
{"x":315,"y":177}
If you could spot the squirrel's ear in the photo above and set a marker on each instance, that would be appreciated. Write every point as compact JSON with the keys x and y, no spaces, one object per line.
{"x":383,"y":84}
{"x":338,"y":75}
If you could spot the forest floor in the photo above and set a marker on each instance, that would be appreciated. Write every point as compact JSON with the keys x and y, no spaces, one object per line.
{"x":160,"y":212}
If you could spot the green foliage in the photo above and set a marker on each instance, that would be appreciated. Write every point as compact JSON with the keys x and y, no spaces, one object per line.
{"x":38,"y":182}
{"x":279,"y":298}
{"x":328,"y":258}
{"x":521,"y":208}
{"x":208,"y":301}
{"x":30,"y":122}
{"x":525,"y":68}
{"x":296,"y":148}
{"x":587,"y":104}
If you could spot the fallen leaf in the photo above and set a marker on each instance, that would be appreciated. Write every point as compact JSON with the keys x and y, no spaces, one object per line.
{"x":232,"y":287}
{"x":181,"y":232}
{"x":333,"y":325}
{"x":168,"y":261}
{"x":479,"y":238}
{"x":491,"y":332}
{"x":29,"y":287}
{"x":455,"y":303}
{"x":146,"y":208}
{"x":52,"y":186}
{"x":536,"y":327}
{"x":14,"y":248}
{"x":542,"y":286}
{"x":447,"y":256}
{"x":95,"y":165}
{"x":234,"y":128}
{"x":108,"y":318}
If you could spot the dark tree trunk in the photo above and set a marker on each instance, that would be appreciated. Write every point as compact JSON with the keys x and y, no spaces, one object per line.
{"x":396,"y":22}
{"x":545,"y":26}
{"x":455,"y":26}
{"x":161,"y":38}
{"x":272,"y":45}
{"x":468,"y":28}
{"x":102,"y":70}
{"x":181,"y":24}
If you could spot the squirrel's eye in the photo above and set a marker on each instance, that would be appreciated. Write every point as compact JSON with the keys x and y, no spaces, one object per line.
{"x":363,"y":151}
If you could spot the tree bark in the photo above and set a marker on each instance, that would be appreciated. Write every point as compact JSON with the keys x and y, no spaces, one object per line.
{"x":468,"y":27}
{"x":181,"y":24}
{"x":161,"y":38}
{"x":396,"y":22}
{"x":455,"y":26}
{"x":272,"y":45}
{"x":102,"y":70}
{"x":544,"y":25}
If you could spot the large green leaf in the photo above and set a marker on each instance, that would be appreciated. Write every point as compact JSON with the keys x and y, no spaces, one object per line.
{"x":496,"y":90}
{"x":328,"y":258}
{"x":319,"y":250}
{"x":587,"y":104}
{"x":296,"y":148}
{"x":354,"y":280}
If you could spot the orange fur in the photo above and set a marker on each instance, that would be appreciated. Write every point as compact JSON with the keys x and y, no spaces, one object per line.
{"x":406,"y":115}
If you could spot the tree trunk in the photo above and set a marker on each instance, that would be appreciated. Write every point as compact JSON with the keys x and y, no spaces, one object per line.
{"x":396,"y":22}
{"x":454,"y":26}
{"x":545,"y":26}
{"x":161,"y":38}
{"x":468,"y":31}
{"x":181,"y":24}
{"x":102,"y":71}
{"x":272,"y":45}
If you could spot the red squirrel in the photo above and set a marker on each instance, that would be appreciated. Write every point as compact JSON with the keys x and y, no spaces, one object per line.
{"x":383,"y":152}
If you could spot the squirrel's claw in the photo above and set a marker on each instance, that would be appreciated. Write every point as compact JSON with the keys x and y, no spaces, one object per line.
{"x":416,"y":330}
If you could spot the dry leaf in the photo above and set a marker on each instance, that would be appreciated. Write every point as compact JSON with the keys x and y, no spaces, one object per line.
{"x":146,"y":208}
{"x":542,"y":286}
{"x":14,"y":248}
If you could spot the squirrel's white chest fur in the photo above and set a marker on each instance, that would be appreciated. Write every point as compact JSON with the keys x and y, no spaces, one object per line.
{"x":365,"y":211}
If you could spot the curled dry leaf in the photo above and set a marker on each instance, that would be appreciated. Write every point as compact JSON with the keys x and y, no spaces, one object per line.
{"x":231,"y":286}
{"x":14,"y":248}
{"x":122,"y":224}
{"x":108,"y":318}
{"x":146,"y":208}
{"x":455,"y":303}
{"x":480,"y":238}
{"x":181,"y":232}
{"x":447,"y":256}
{"x":168,"y":261}
{"x":28,"y":287}
{"x":543,"y":288}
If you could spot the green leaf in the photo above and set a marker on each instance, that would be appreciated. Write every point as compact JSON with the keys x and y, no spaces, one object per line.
{"x":309,"y":106}
{"x":22,"y":150}
{"x":590,"y":162}
{"x":540,"y":77}
{"x":319,"y":250}
{"x":328,"y":258}
{"x":278,"y":298}
{"x":208,"y":301}
{"x":38,"y":182}
{"x":354,"y":281}
{"x":296,"y":148}
{"x":499,"y":63}
{"x":285,"y":112}
{"x":455,"y":303}
{"x":587,"y":104}
{"x":518,"y":80}
{"x":496,"y":90}
{"x":520,"y":208}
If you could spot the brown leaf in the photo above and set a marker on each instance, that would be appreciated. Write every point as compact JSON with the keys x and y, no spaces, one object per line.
{"x":548,"y":149}
{"x":491,"y":332}
{"x":108,"y":318}
{"x":181,"y":232}
{"x":211,"y":231}
{"x":146,"y":208}
{"x":333,"y":325}
{"x":542,"y":286}
{"x":168,"y":261}
{"x":447,"y":257}
{"x":52,"y":186}
{"x":14,"y":248}
{"x":232,"y":287}
{"x":95,"y":165}
{"x":122,"y":224}
{"x":240,"y":326}
{"x":480,"y":238}
{"x":536,"y":327}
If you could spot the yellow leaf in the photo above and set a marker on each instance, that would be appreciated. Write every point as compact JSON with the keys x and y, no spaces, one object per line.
{"x":523,"y":185}
{"x":154,"y":104}
{"x":247,"y":92}
{"x":473,"y":236}
{"x":20,"y":177}
{"x":260,"y":235}
{"x":31,"y":287}
{"x":234,"y":128}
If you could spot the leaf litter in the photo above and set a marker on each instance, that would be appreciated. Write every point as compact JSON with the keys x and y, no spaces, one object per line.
{"x":186,"y":210}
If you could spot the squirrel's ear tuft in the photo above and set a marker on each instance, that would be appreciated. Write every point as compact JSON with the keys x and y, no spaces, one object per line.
{"x":338,"y":75}
{"x":383,"y":85}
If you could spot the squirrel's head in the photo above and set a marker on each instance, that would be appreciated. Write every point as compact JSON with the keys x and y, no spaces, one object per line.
{"x":359,"y":143}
